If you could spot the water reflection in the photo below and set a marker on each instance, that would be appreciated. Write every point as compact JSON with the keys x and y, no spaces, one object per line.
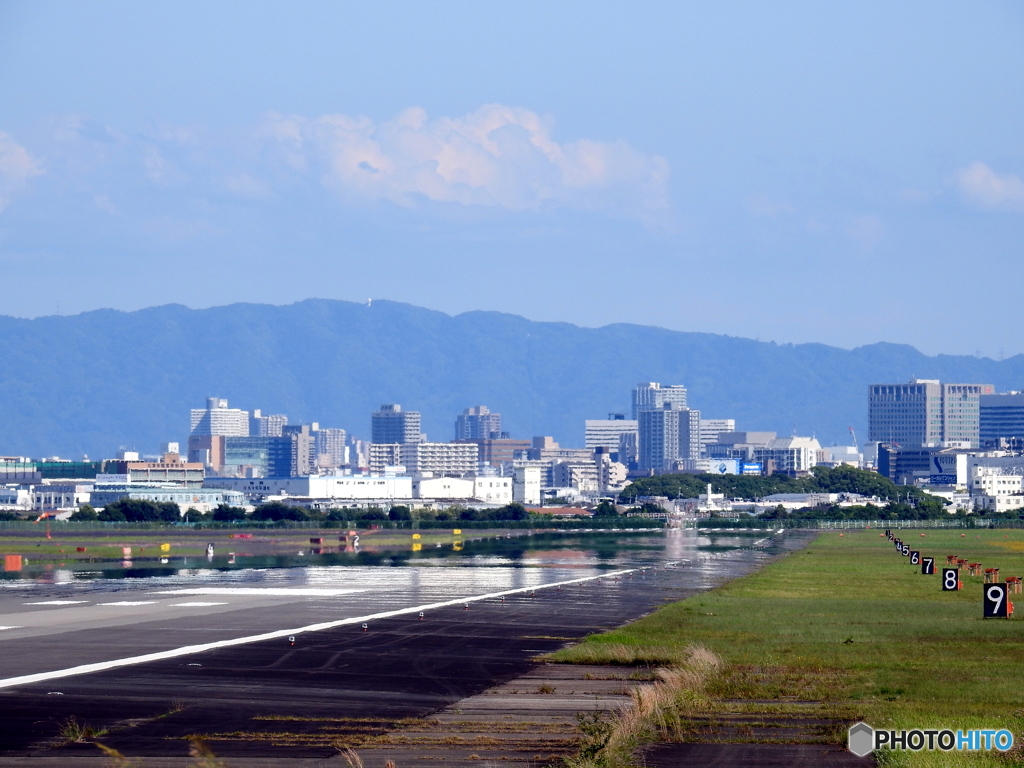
{"x":583,"y":551}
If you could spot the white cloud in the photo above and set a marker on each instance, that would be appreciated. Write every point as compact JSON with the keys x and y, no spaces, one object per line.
{"x":497,"y":156}
{"x":162,"y":171}
{"x":247,"y":186}
{"x":988,"y":189}
{"x":17,"y":166}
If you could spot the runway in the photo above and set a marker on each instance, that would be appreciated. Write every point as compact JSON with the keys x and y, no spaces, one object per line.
{"x":221,"y":660}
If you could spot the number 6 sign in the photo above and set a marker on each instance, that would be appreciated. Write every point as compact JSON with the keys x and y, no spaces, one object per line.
{"x":915,"y":557}
{"x":996,"y":604}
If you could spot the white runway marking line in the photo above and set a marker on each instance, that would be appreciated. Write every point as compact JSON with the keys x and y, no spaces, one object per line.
{"x":131,"y":602}
{"x":188,"y":650}
{"x":58,"y":602}
{"x":194,"y":605}
{"x":272,"y":591}
{"x":3,"y":628}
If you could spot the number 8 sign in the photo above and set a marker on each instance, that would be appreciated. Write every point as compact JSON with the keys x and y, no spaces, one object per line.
{"x":996,"y":605}
{"x":950,"y":579}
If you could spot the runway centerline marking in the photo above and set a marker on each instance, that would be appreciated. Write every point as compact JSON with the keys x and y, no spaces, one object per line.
{"x":188,"y":650}
{"x":195,"y":605}
{"x":131,"y":602}
{"x":57,"y":602}
{"x":2,"y":628}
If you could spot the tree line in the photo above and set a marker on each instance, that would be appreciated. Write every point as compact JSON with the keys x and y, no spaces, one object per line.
{"x":842,"y":479}
{"x":143,"y":511}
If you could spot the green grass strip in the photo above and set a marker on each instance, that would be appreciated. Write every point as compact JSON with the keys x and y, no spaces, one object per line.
{"x":850,"y":623}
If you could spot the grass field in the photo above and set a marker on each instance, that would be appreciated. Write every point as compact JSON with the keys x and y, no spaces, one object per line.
{"x":850,"y":624}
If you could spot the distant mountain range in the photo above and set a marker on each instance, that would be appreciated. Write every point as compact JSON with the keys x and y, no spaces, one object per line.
{"x":100,"y":380}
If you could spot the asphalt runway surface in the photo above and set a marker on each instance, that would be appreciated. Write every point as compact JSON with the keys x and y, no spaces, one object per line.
{"x":269,"y":697}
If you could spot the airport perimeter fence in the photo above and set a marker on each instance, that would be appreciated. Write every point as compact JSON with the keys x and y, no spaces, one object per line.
{"x":773,"y":525}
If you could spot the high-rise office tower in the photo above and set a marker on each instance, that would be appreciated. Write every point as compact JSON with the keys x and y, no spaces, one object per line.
{"x":926,"y":413}
{"x":478,"y":423}
{"x":331,"y":451}
{"x":668,"y":435}
{"x":1002,"y":417}
{"x":209,"y":427}
{"x":648,"y":395}
{"x":393,"y":425}
{"x":303,"y":448}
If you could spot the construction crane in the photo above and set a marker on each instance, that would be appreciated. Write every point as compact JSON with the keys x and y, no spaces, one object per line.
{"x":854,"y":436}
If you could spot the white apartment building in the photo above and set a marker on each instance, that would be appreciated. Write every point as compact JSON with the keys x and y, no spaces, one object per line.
{"x":330,"y":447}
{"x":790,"y":454}
{"x":217,"y":419}
{"x":526,"y":484}
{"x":271,"y":425}
{"x":611,"y":475}
{"x":383,"y":455}
{"x":607,"y":433}
{"x":997,"y":490}
{"x":583,"y":476}
{"x":449,"y":459}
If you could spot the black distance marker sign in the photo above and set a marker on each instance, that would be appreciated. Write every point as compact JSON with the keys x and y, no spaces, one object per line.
{"x":950,"y":579}
{"x":915,"y":557}
{"x":996,"y":603}
{"x":927,"y":566}
{"x":905,"y":550}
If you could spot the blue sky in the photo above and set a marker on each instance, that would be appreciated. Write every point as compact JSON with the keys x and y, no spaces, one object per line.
{"x":835,"y":172}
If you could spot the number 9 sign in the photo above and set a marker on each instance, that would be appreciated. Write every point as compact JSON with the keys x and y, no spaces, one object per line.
{"x":996,"y":603}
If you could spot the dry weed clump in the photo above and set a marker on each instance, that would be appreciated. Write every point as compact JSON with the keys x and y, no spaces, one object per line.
{"x":656,"y":710}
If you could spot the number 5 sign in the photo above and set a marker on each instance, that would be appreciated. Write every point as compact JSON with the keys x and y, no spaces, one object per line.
{"x":997,"y":604}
